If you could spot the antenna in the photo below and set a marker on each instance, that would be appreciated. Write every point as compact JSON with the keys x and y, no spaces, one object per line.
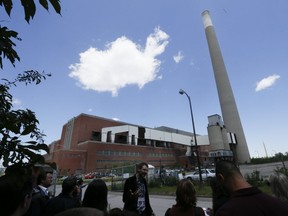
{"x":265,"y":150}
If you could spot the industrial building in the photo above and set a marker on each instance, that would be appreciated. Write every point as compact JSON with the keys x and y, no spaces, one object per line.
{"x":90,"y":143}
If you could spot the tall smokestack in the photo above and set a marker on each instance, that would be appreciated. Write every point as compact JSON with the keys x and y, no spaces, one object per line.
{"x":228,"y":105}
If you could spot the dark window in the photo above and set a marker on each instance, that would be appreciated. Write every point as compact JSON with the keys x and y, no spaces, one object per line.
{"x":96,"y":135}
{"x":109,"y":139}
{"x":121,"y":138}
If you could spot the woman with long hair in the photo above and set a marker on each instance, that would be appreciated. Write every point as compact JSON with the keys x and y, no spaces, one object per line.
{"x":185,"y":201}
{"x":95,"y":195}
{"x":279,"y":185}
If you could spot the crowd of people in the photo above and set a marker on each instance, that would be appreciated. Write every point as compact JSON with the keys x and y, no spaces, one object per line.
{"x":25,"y":193}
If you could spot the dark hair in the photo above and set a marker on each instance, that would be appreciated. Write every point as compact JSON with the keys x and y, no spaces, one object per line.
{"x":140,"y":165}
{"x":41,"y":176}
{"x":116,"y":212}
{"x":81,"y":212}
{"x":185,"y":193}
{"x":219,"y":194}
{"x":14,"y":188}
{"x":227,"y":168}
{"x":68,"y":185}
{"x":96,"y":195}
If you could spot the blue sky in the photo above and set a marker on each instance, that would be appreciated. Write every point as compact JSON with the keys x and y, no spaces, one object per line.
{"x":127,"y":60}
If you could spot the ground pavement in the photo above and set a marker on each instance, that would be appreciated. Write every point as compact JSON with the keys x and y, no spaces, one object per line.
{"x":159,"y":203}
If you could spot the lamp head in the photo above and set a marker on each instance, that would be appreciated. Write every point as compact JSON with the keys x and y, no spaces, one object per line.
{"x":181,"y":91}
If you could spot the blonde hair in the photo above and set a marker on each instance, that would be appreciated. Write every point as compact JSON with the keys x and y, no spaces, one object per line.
{"x":279,"y":185}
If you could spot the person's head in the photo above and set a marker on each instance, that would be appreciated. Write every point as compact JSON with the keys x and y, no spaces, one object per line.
{"x":142,"y":169}
{"x":229,"y":175}
{"x":44,"y":178}
{"x":218,"y":190}
{"x":16,"y":191}
{"x":279,"y":185}
{"x":116,"y":212}
{"x":219,"y":194}
{"x":185,"y":193}
{"x":69,"y":185}
{"x":95,"y":195}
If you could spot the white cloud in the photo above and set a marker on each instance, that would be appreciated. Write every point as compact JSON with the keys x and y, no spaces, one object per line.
{"x":122,"y":63}
{"x":16,"y":102}
{"x":90,"y":110}
{"x":266,"y":82}
{"x":177,"y":58}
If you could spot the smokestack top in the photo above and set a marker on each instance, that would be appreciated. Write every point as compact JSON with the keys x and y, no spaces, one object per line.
{"x":206,"y":19}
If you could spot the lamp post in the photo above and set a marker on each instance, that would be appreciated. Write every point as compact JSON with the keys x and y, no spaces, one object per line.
{"x":181,"y":91}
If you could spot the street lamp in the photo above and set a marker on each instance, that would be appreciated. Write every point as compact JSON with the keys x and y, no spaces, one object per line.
{"x":181,"y":91}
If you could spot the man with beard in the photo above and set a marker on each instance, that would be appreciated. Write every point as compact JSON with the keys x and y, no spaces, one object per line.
{"x":245,"y":199}
{"x":135,"y":194}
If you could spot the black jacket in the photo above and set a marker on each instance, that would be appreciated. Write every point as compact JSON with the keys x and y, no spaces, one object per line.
{"x":253,"y":202}
{"x":60,"y":203}
{"x":130,"y":202}
{"x":38,"y":202}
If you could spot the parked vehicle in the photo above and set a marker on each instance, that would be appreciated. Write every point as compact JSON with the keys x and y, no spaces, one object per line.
{"x":205,"y":173}
{"x":89,"y":176}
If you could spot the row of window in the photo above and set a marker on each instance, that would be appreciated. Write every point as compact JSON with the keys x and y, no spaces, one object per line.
{"x":118,"y":153}
{"x":71,"y":155}
{"x":132,"y":154}
{"x":159,"y":155}
{"x":121,"y":153}
{"x":125,"y":161}
{"x":220,"y":153}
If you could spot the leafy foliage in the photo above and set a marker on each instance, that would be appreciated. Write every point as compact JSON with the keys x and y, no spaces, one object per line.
{"x":6,"y":36}
{"x":21,"y":141}
{"x":254,"y":178}
{"x":16,"y":125}
{"x":30,"y":7}
{"x":6,"y":45}
{"x":278,"y":157}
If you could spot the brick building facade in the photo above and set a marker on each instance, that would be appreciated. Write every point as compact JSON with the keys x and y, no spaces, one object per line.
{"x":90,"y":143}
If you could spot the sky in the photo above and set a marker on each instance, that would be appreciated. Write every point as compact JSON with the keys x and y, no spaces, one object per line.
{"x":127,"y":59}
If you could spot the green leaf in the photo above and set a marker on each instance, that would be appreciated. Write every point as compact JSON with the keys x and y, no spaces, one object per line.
{"x":7,"y":5}
{"x":44,"y":3}
{"x":56,"y":5}
{"x":32,"y":142}
{"x":44,"y":147}
{"x":37,"y":147}
{"x":7,"y":45}
{"x":13,"y":127}
{"x":29,"y":8}
{"x":28,"y":130}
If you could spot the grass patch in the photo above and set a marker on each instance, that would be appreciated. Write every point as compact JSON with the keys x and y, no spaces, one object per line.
{"x":203,"y":190}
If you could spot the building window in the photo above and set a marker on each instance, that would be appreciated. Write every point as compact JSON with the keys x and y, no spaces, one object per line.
{"x":121,"y":138}
{"x":96,"y":135}
{"x":109,"y":138}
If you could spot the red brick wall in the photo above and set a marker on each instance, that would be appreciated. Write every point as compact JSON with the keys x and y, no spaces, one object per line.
{"x":84,"y":154}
